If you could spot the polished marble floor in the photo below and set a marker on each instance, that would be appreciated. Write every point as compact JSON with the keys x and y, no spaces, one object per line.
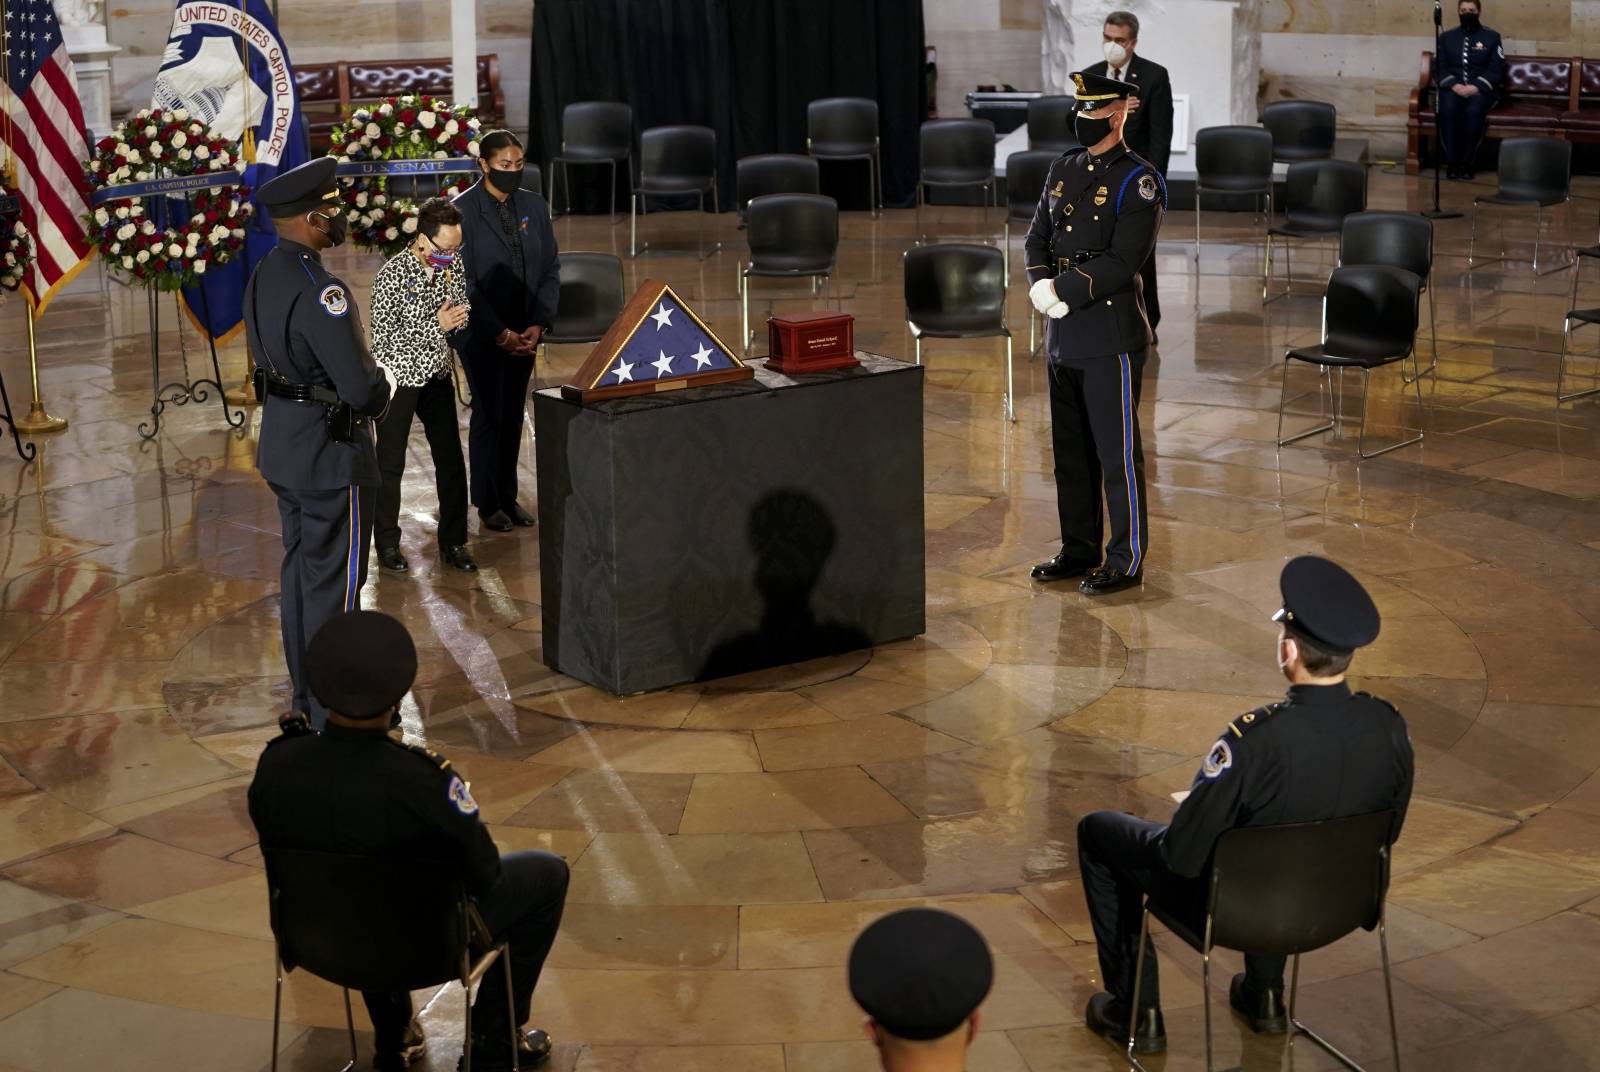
{"x":728,"y":839}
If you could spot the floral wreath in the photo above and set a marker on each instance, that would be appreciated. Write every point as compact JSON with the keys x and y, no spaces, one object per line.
{"x":155,"y":245}
{"x":16,"y":252}
{"x":411,"y":127}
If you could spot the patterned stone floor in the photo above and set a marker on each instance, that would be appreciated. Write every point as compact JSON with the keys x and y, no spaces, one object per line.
{"x":727,"y":840}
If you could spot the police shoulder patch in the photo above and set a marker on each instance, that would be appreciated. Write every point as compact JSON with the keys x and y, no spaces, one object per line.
{"x":1219,"y":759}
{"x":334,"y":301}
{"x":1147,"y":186}
{"x":461,"y":797}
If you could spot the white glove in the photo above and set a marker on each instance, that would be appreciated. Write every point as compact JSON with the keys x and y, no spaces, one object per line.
{"x":1043,"y":295}
{"x":389,"y":376}
{"x":1057,"y":311}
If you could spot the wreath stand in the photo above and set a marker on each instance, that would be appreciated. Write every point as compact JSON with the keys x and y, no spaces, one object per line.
{"x":26,"y":451}
{"x":182,"y":391}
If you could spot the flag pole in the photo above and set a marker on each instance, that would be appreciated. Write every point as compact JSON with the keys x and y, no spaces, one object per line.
{"x":242,"y":393}
{"x":38,"y":420}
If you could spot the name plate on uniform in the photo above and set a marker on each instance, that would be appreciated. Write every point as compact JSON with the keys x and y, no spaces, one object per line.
{"x":811,"y":342}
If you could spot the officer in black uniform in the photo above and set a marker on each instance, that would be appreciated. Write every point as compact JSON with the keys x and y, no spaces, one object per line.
{"x":1323,"y":753}
{"x":355,"y":789}
{"x":1468,"y":70}
{"x":320,"y":391}
{"x":920,"y":974}
{"x":1092,"y":233}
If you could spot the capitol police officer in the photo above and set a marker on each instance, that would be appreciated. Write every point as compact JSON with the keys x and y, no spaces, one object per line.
{"x":355,"y":789}
{"x":1322,"y":753}
{"x":1092,"y":233}
{"x":320,"y":392}
{"x":920,"y":974}
{"x":1468,"y":71}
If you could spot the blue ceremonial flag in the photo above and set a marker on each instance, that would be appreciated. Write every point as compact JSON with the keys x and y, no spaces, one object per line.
{"x":211,"y":45}
{"x":657,"y":344}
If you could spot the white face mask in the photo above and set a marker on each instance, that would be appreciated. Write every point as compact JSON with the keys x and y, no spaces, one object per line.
{"x":1116,"y":55}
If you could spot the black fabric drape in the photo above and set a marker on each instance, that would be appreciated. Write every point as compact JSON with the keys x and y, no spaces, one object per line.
{"x":745,"y":68}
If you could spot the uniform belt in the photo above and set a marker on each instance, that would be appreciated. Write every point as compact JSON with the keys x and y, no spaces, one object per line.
{"x":304,"y":392}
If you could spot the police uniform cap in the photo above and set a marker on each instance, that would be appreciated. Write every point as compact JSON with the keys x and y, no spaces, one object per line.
{"x":361,"y":663}
{"x":1322,"y":601}
{"x":920,"y":973}
{"x":300,"y":189}
{"x":1094,"y":91}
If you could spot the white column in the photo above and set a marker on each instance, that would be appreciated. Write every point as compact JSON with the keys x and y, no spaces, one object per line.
{"x":464,"y":50}
{"x":83,"y":28}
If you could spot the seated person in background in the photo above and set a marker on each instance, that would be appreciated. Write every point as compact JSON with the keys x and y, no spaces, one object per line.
{"x":1323,"y":753}
{"x":1469,"y":70}
{"x":920,"y":975}
{"x":355,"y":789}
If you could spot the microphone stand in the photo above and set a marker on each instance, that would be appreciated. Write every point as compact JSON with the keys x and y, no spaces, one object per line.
{"x":1436,"y":213}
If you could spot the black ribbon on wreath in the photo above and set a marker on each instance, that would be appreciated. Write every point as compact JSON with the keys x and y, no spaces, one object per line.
{"x":10,"y":211}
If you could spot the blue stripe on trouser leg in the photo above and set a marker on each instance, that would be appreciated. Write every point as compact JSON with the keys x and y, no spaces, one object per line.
{"x":352,"y":571}
{"x":1135,"y":537}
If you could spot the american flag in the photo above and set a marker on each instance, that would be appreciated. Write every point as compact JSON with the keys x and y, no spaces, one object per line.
{"x":43,"y":132}
{"x":667,"y":345}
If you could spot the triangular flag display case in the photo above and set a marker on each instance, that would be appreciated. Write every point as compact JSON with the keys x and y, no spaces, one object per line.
{"x":657,"y":343}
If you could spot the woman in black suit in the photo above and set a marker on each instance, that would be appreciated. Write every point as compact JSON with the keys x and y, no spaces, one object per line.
{"x":513,"y":280}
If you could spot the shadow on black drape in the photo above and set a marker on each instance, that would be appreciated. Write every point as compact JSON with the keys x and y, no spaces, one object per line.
{"x":745,"y":68}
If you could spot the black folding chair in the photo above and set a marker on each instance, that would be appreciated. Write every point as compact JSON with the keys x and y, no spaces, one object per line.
{"x":1400,"y":240}
{"x":591,"y":298}
{"x":956,"y":153}
{"x":377,"y":923}
{"x":957,"y":291}
{"x":1575,"y":316}
{"x":1532,"y":173}
{"x":1369,"y":319}
{"x":773,"y":173}
{"x":846,"y":128}
{"x":1025,"y":177}
{"x":1235,"y":161}
{"x":675,"y":160}
{"x":1050,"y":124}
{"x":1301,"y":129}
{"x":791,"y":236}
{"x":1317,"y":196}
{"x":1286,"y":891}
{"x":592,"y":132}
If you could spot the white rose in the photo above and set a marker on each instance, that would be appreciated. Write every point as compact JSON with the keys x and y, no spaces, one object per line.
{"x":141,"y":175}
{"x":416,"y":137}
{"x":237,"y":232}
{"x":179,"y":140}
{"x":127,"y":262}
{"x":472,"y":148}
{"x":390,"y":234}
{"x":184,"y":154}
{"x":365,"y":222}
{"x":373,"y":130}
{"x":426,"y":120}
{"x":473,"y":124}
{"x":150,"y":131}
{"x":155,"y":150}
{"x":147,"y":228}
{"x":122,"y":148}
{"x":202,"y":152}
{"x":410,"y":225}
{"x":218,"y":233}
{"x":196,"y":129}
{"x":452,"y":127}
{"x":440,"y":154}
{"x":361,"y":199}
{"x":125,"y":232}
{"x":142,"y":256}
{"x":352,"y":147}
{"x":199,"y":267}
{"x":114,"y":248}
{"x":102,"y":217}
{"x":134,"y":157}
{"x":223,"y":158}
{"x":174,"y":250}
{"x":181,"y":115}
{"x":122,"y":212}
{"x":385,"y":110}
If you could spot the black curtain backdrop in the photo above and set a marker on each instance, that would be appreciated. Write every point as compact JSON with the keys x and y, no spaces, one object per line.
{"x":745,"y":68}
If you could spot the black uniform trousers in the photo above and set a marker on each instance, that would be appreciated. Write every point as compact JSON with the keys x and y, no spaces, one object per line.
{"x":1119,"y":857}
{"x":499,"y":383}
{"x":522,"y":909}
{"x":1099,"y":457}
{"x":1152,"y":300}
{"x":1462,"y":122}
{"x":326,"y":535}
{"x":435,"y":403}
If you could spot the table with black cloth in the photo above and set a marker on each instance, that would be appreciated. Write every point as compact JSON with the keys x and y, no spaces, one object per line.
{"x":710,"y":531}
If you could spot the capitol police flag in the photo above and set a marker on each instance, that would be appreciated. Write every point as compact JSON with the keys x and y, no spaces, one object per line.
{"x":227,"y":65}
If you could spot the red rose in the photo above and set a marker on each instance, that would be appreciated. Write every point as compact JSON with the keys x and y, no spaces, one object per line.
{"x":409,"y":115}
{"x":211,"y":217}
{"x":105,"y":145}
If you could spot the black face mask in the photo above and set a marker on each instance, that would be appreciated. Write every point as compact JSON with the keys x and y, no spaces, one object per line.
{"x":338,"y":227}
{"x":1091,"y":132}
{"x":1469,"y":21}
{"x":507,"y":182}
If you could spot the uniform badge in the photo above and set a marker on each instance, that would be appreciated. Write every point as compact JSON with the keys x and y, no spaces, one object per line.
{"x":1219,"y":759}
{"x":1058,"y":188}
{"x":1147,"y":186}
{"x":334,"y":301}
{"x":1477,"y":46}
{"x":1100,"y":196}
{"x":461,"y":797}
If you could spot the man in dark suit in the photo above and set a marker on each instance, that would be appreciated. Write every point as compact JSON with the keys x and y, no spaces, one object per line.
{"x":320,"y":391}
{"x":513,"y":283}
{"x":1149,"y":129}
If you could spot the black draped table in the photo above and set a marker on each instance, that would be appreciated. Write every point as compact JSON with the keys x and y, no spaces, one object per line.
{"x":715,"y":530}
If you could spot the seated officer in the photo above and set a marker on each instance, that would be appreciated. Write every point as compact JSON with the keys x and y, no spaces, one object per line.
{"x":1323,"y":753}
{"x":353,"y":788}
{"x":920,"y":975}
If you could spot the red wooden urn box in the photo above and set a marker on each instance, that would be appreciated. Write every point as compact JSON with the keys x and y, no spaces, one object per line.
{"x":811,"y":342}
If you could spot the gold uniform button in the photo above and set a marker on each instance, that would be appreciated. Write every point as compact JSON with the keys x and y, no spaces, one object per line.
{"x":1069,"y":226}
{"x":1108,"y":301}
{"x":1091,"y":167}
{"x":1097,"y":217}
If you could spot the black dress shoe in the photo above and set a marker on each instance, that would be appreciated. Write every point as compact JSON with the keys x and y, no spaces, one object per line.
{"x":1469,"y":173}
{"x":392,"y":560}
{"x":1452,"y":172}
{"x":1263,"y":1010}
{"x":1104,"y":581}
{"x":1061,"y":567}
{"x":413,"y":1045}
{"x":459,"y":558}
{"x":1109,"y":1017}
{"x":489,"y":1054}
{"x":496,"y":520}
{"x":521,"y":516}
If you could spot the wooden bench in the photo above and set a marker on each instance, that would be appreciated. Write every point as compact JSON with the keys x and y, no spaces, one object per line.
{"x":1543,"y":95}
{"x":329,"y":92}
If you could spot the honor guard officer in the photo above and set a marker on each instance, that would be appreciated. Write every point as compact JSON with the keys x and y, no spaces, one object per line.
{"x":354,"y":789}
{"x":320,"y":391}
{"x":1322,"y":753}
{"x":1092,"y":233}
